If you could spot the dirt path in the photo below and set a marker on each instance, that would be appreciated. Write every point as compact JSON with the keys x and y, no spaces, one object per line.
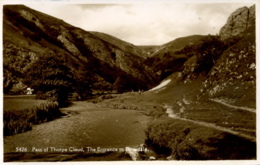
{"x":170,"y":113}
{"x":87,"y":126}
{"x":235,"y":107}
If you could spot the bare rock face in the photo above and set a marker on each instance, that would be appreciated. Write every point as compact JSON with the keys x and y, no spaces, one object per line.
{"x":65,"y":38}
{"x":238,"y":22}
{"x":30,"y":17}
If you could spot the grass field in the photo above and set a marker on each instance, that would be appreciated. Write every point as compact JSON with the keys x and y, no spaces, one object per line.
{"x":23,"y":102}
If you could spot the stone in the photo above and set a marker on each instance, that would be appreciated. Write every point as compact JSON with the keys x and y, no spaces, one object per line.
{"x":252,"y":66}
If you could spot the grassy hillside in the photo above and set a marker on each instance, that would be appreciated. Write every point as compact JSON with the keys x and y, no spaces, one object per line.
{"x":123,"y":45}
{"x":29,"y":34}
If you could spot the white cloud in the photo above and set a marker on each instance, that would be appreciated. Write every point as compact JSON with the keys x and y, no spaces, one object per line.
{"x":144,"y":23}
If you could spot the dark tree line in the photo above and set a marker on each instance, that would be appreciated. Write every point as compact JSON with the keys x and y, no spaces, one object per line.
{"x":54,"y":80}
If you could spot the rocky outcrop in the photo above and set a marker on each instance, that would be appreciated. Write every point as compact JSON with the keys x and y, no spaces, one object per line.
{"x":30,"y":17}
{"x":65,"y":38}
{"x":238,"y":22}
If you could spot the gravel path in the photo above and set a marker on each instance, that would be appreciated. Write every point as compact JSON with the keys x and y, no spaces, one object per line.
{"x":235,"y":107}
{"x":170,"y":113}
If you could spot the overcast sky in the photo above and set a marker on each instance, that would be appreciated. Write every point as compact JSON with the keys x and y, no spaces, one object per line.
{"x":152,"y":23}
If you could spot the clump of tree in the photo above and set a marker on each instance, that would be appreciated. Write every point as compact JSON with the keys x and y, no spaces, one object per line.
{"x":208,"y":50}
{"x":188,"y":50}
{"x":54,"y":80}
{"x":83,"y":85}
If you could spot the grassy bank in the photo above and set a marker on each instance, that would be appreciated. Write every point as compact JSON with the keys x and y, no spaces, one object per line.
{"x":188,"y":141}
{"x":19,"y":114}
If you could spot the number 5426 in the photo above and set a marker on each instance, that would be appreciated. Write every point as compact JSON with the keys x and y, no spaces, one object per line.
{"x":21,"y":149}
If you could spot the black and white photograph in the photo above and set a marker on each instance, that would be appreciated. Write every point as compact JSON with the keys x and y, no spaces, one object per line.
{"x":103,"y":81}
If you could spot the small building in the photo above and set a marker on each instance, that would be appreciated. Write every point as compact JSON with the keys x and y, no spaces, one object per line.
{"x":30,"y":91}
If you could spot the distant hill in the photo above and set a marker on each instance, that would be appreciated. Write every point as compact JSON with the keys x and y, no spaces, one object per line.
{"x":149,"y":50}
{"x":164,"y":60}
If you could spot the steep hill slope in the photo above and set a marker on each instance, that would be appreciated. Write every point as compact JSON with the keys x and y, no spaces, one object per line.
{"x":28,"y":34}
{"x":125,"y":46}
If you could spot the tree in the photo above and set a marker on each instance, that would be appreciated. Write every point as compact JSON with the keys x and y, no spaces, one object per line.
{"x":119,"y":84}
{"x":83,"y":87}
{"x":209,"y":50}
{"x":51,"y":79}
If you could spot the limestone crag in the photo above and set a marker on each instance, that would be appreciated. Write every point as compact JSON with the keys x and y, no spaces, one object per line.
{"x":65,"y":38}
{"x":238,"y":22}
{"x":30,"y":17}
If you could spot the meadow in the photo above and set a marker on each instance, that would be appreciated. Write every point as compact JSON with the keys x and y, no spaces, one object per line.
{"x":20,"y":102}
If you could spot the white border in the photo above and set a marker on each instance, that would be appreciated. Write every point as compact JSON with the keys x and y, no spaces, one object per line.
{"x":235,"y":162}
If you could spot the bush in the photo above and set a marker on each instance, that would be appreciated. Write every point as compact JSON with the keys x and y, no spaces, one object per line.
{"x":21,"y":121}
{"x":185,"y":140}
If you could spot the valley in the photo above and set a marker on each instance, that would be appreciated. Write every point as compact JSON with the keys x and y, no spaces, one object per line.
{"x":99,"y":98}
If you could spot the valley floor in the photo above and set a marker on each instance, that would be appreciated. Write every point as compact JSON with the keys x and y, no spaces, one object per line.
{"x":84,"y":126}
{"x":122,"y":121}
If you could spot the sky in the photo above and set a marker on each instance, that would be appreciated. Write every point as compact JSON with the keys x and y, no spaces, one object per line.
{"x":145,"y":23}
